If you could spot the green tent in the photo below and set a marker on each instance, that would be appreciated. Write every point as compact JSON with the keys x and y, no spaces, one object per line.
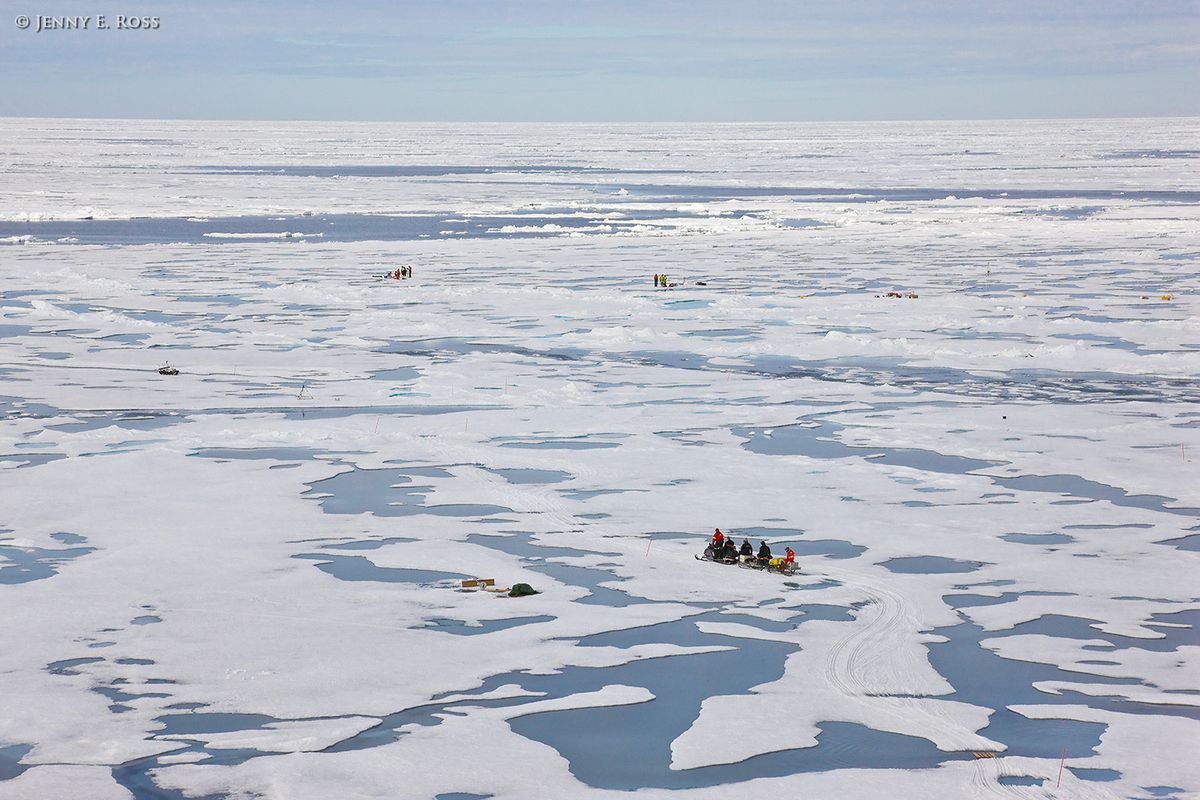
{"x":522,"y":590}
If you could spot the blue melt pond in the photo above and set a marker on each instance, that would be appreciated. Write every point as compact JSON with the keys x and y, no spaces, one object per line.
{"x":460,"y":628}
{"x":1038,"y":538}
{"x":358,"y":568}
{"x":519,"y":475}
{"x":1095,"y":774}
{"x":929,"y":565}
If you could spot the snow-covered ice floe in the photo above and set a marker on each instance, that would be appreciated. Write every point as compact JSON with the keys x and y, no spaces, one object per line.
{"x":953,"y":366}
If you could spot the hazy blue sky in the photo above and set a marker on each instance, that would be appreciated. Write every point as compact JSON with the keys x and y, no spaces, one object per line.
{"x":615,"y":60}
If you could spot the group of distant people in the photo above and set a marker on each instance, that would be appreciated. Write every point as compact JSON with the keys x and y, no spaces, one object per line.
{"x":661,"y":281}
{"x":400,"y":272}
{"x":724,"y":548}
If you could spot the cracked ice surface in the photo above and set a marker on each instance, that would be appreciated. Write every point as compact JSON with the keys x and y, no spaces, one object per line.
{"x":242,"y":580}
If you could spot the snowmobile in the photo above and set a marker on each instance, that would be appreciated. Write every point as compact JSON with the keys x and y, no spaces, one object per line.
{"x":778,"y":565}
{"x":715,"y":557}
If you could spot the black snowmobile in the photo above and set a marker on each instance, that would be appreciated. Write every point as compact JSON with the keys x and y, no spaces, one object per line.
{"x":718,"y":555}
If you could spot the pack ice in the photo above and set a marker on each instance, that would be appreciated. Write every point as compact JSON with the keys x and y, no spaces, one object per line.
{"x":953,"y":366}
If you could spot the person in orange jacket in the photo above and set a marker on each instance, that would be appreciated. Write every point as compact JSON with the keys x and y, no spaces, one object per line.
{"x":718,"y":539}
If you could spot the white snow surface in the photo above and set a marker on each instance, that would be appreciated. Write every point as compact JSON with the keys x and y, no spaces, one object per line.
{"x":243,"y":580}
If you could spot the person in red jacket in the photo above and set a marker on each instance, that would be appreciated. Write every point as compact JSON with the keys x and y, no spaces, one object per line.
{"x":718,"y":539}
{"x":789,"y":557}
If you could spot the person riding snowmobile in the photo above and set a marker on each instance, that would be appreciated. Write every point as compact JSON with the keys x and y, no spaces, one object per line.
{"x":730,"y":550}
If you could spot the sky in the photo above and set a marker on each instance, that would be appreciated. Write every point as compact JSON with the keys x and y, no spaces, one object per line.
{"x":612,"y":61}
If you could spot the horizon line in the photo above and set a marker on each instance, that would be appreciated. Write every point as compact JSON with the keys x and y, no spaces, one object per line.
{"x":312,"y":120}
